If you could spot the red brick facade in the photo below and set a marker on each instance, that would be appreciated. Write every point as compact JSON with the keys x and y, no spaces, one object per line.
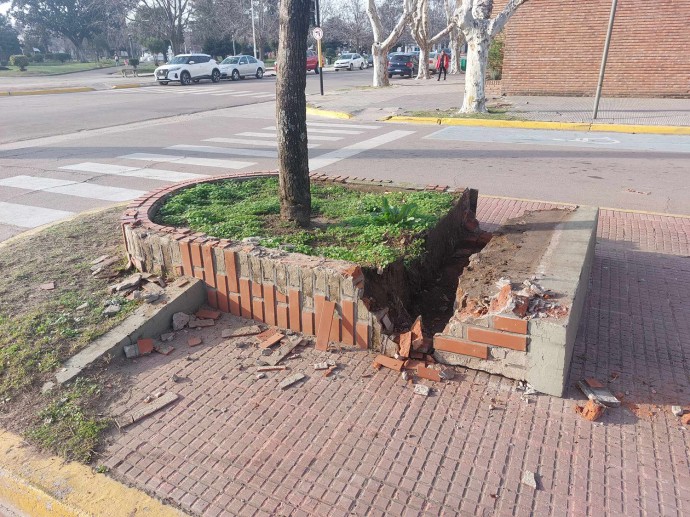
{"x":554,"y":47}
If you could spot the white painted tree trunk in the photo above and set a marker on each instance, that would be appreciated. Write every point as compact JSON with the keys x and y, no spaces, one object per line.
{"x":423,"y":72}
{"x":477,"y":56}
{"x":456,"y":40}
{"x":379,"y":55}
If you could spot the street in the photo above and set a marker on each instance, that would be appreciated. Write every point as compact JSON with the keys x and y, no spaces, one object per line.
{"x":63,"y":154}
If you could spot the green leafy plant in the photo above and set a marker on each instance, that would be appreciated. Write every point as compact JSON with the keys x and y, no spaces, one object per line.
{"x":19,"y":61}
{"x":402,"y":215}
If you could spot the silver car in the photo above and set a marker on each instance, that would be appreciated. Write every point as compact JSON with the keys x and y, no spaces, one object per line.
{"x":240,"y":67}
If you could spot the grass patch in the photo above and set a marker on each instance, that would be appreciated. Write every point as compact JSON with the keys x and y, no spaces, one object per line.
{"x":40,"y":329}
{"x":41,"y":69}
{"x":67,"y":426}
{"x":493,"y":114}
{"x":369,"y":228}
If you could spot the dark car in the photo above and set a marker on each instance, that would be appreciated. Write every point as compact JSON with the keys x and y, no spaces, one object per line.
{"x":403,"y":64}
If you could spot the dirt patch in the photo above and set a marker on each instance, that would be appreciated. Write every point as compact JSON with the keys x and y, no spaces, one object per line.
{"x":40,"y":328}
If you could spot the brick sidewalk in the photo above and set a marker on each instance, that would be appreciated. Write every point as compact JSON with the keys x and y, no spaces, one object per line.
{"x":360,"y":443}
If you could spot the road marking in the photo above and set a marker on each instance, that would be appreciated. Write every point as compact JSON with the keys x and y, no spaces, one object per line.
{"x":231,"y":92}
{"x":326,"y":131}
{"x":71,"y":188}
{"x":352,"y":150}
{"x":273,"y":135}
{"x":224,"y":150}
{"x":260,"y":143}
{"x":202,"y":162}
{"x":247,"y":94}
{"x":133,"y":172}
{"x":29,"y":216}
{"x":341,"y":125}
{"x":263,"y":95}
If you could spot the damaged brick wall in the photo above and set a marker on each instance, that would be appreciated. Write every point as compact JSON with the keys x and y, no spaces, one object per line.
{"x":316,"y":296}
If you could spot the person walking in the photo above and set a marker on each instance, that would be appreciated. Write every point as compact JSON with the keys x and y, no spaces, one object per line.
{"x":442,"y":62}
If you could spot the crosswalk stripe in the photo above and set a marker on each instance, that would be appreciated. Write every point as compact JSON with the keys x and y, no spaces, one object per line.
{"x":273,"y":135}
{"x":224,"y":150}
{"x":26,"y":216}
{"x":71,"y":188}
{"x":259,"y":143}
{"x":231,"y":92}
{"x":133,"y":172}
{"x":326,"y":131}
{"x":265,"y":95}
{"x":202,"y":162}
{"x":352,"y":150}
{"x":253,"y":94}
{"x":341,"y":125}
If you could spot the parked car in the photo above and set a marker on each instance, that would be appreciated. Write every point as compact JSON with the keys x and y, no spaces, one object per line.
{"x":370,"y":61}
{"x":403,"y":64}
{"x":433,"y":56}
{"x":236,"y":67}
{"x":312,"y":62}
{"x":349,"y":62}
{"x":186,"y":68}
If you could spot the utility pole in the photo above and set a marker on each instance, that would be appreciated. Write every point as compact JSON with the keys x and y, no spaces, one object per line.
{"x":603,"y":59}
{"x":251,"y":2}
{"x":318,"y":42}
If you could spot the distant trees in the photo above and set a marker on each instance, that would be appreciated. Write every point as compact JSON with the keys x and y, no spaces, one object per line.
{"x":164,"y":19}
{"x":384,"y":40}
{"x":9,"y":41}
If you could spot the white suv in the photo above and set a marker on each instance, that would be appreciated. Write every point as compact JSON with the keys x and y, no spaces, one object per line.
{"x":186,"y":68}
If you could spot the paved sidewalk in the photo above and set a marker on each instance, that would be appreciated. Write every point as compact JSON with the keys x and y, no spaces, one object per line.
{"x":409,"y":95}
{"x":360,"y":443}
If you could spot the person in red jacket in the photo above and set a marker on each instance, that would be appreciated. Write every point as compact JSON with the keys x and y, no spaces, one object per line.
{"x":442,"y":62}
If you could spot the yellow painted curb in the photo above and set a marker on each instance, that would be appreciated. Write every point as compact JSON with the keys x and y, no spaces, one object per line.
{"x":311,"y":110}
{"x":533,"y":124}
{"x":42,"y":485}
{"x":49,"y":91}
{"x":125,"y":86}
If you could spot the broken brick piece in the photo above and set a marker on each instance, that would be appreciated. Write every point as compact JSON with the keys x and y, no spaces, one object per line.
{"x":266,"y":333}
{"x":594,"y":383}
{"x":405,"y":344}
{"x":412,"y":364}
{"x":270,"y":368}
{"x":591,"y":411}
{"x":389,"y":362}
{"x":329,"y":371}
{"x":292,"y":379}
{"x":273,"y":340}
{"x":194,"y":341}
{"x":145,"y":346}
{"x":685,"y":419}
{"x":205,"y":314}
{"x":48,"y":286}
{"x":417,"y":336}
{"x":376,"y":366}
{"x":164,"y":349}
{"x":428,"y":373}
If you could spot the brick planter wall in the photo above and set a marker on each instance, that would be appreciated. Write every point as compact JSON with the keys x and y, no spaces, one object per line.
{"x":554,"y":47}
{"x":288,"y":290}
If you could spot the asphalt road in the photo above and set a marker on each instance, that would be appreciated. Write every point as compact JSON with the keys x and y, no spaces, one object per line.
{"x":107,"y":147}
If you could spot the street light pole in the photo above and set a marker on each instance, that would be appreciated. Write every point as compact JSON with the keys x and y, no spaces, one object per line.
{"x":251,"y":3}
{"x":131,"y":49}
{"x":603,"y":59}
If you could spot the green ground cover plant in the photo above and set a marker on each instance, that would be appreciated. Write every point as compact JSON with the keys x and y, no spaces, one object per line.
{"x":371,"y":228}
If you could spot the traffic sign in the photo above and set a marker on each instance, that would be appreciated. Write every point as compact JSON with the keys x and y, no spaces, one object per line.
{"x":317,"y":33}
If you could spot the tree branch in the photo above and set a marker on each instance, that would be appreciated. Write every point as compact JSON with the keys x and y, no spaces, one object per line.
{"x":400,"y":26}
{"x":376,"y":25}
{"x":442,"y":33}
{"x":463,"y":15}
{"x":496,"y":25}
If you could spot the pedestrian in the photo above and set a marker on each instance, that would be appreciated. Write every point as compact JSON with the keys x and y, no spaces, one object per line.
{"x":117,"y":60}
{"x":442,"y":65}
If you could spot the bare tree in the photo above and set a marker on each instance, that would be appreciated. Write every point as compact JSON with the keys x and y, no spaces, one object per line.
{"x":172,"y":17}
{"x":419,"y":27}
{"x":456,"y":36}
{"x":381,"y":47}
{"x":291,"y":112}
{"x":474,"y":19}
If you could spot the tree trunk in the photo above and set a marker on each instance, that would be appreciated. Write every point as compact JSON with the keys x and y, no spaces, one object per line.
{"x":477,"y":56}
{"x":291,"y":112}
{"x":455,"y":39}
{"x":423,"y":72}
{"x":380,"y":57}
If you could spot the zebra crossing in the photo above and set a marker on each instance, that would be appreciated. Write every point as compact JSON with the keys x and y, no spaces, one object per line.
{"x":222,"y":90}
{"x":136,"y":172}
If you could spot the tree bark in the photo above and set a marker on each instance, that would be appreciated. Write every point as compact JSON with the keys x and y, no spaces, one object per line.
{"x":291,"y":112}
{"x":456,"y":40}
{"x":477,"y":56}
{"x":380,"y":72}
{"x":381,"y":47}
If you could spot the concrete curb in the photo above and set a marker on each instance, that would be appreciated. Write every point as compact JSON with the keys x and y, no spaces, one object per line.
{"x":48,"y":91}
{"x":41,"y":485}
{"x":147,"y":321}
{"x":533,"y":124}
{"x":312,"y":110}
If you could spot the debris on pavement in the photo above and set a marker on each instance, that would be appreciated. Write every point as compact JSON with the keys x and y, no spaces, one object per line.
{"x":194,"y":341}
{"x":180,"y":320}
{"x":252,"y":330}
{"x":194,"y":322}
{"x":329,"y":371}
{"x":271,"y":341}
{"x":529,"y":478}
{"x":145,"y":346}
{"x":595,"y":390}
{"x":447,"y":374}
{"x":149,"y":409}
{"x":405,"y":375}
{"x":128,"y":284}
{"x":260,"y":375}
{"x":204,"y":314}
{"x":292,"y":379}
{"x":421,"y":389}
{"x":677,"y":410}
{"x":388,"y":362}
{"x":163,"y":349}
{"x":48,"y":286}
{"x":685,"y":419}
{"x":591,"y":411}
{"x":428,"y":373}
{"x":405,"y":344}
{"x":284,"y":350}
{"x":168,"y":336}
{"x":270,"y":368}
{"x":324,"y":365}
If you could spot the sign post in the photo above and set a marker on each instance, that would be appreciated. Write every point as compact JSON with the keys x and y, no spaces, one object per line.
{"x":318,"y":34}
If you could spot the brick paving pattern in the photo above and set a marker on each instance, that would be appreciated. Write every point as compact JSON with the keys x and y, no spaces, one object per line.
{"x":361,"y":443}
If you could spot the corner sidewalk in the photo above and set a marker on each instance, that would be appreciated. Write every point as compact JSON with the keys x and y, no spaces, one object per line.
{"x":407,"y":96}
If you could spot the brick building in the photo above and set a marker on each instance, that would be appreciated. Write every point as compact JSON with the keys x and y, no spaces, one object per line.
{"x":554,"y":47}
